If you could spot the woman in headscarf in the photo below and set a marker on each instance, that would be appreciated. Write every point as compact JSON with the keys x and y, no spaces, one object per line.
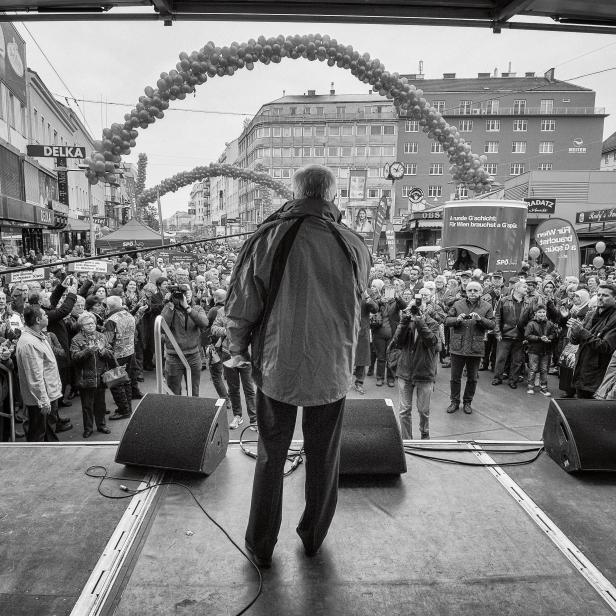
{"x":579,"y":310}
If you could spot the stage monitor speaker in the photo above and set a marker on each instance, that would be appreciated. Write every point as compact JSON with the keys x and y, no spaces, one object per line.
{"x":580,"y":435}
{"x":176,"y":433}
{"x":371,"y":443}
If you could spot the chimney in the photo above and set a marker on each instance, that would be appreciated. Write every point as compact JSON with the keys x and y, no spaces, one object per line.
{"x":370,"y":91}
{"x":331,"y":89}
{"x":449,"y":75}
{"x":312,"y":92}
{"x":495,"y":71}
{"x":529,"y":74}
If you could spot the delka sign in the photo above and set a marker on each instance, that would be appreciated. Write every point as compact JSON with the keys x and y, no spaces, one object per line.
{"x":56,"y":151}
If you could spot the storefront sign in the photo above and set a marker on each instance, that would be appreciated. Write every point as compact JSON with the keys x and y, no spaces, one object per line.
{"x":56,"y":151}
{"x":62,"y":181}
{"x":91,"y":267}
{"x":540,"y":206}
{"x":559,"y":243}
{"x":44,"y":216}
{"x":40,"y":273}
{"x":429,"y":215}
{"x":578,"y":146}
{"x":607,"y":215}
{"x":13,"y":61}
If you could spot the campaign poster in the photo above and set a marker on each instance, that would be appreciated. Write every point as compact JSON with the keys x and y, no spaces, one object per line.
{"x":13,"y":61}
{"x":559,"y":243}
{"x":488,"y":226}
{"x":358,"y":178}
{"x":91,"y":267}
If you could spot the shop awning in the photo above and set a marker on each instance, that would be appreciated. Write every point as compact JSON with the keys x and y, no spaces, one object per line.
{"x":74,"y":224}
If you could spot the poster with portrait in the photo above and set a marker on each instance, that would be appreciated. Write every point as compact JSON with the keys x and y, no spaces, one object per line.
{"x":363,"y":219}
{"x":13,"y":61}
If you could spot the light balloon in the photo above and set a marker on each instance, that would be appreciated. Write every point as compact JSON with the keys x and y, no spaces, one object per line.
{"x":534,"y":252}
{"x":598,"y":262}
{"x":600,"y":247}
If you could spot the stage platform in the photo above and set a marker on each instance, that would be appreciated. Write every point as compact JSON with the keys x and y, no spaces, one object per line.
{"x":439,"y":540}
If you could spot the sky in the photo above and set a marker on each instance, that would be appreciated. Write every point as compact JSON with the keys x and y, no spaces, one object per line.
{"x":113,"y":62}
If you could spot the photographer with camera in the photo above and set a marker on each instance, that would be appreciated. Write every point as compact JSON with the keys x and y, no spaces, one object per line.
{"x":185,"y":321}
{"x":417,"y":337}
{"x":468,"y":320}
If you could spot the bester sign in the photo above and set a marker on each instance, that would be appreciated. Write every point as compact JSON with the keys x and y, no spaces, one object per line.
{"x":607,"y":215}
{"x":540,"y":206}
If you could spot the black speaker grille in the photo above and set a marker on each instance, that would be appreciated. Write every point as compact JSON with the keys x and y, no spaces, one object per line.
{"x":168,"y":432}
{"x":371,"y":441}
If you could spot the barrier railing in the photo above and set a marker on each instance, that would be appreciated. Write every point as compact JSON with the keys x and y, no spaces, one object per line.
{"x":11,"y":415}
{"x":160,"y":327}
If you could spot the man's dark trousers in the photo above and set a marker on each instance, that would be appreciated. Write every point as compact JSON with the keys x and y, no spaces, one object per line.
{"x":322,"y":428}
{"x":458,"y":363}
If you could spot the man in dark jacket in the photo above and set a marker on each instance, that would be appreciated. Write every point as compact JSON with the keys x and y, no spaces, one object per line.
{"x":417,"y":337}
{"x":597,"y":340}
{"x":297,"y":304}
{"x":469,"y":318}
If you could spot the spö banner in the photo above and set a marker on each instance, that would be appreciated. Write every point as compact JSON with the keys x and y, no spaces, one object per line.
{"x":559,"y":243}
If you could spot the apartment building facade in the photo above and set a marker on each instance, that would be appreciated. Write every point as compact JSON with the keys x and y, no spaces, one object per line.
{"x":521,"y":124}
{"x":353,"y":134}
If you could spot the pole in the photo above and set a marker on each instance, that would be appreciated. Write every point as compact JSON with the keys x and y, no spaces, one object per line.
{"x":160,"y":218}
{"x":91,"y":210}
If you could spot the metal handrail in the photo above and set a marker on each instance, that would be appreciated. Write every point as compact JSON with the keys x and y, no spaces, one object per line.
{"x":11,"y":415}
{"x":161,"y":386}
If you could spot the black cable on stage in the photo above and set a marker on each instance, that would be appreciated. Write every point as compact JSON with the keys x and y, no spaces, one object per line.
{"x":126,"y":251}
{"x":294,"y":456}
{"x":90,"y":472}
{"x":411,"y":450}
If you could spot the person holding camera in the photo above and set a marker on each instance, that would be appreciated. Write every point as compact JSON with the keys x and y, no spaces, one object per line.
{"x":468,"y":320}
{"x":417,"y":337}
{"x":186,"y":322}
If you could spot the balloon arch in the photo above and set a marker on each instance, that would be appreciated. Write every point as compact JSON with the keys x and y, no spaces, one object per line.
{"x":211,"y":61}
{"x":186,"y":178}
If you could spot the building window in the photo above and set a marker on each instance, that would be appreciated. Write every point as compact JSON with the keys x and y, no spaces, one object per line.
{"x":307,"y":131}
{"x":276,"y":131}
{"x":389,"y":129}
{"x":277,"y":152}
{"x":466,"y":107}
{"x":297,"y":131}
{"x":436,"y":147}
{"x":292,"y":110}
{"x":405,"y":191}
{"x":334,"y":130}
{"x":275,"y":111}
{"x":519,"y":107}
{"x":340,"y":111}
{"x":546,"y":147}
{"x":264,"y":131}
{"x":347,"y":130}
{"x":411,"y":147}
{"x":436,"y":169}
{"x":360,"y":150}
{"x":461,"y":191}
{"x":439,"y":106}
{"x":332,"y":151}
{"x":411,"y":126}
{"x":491,"y":107}
{"x":346,"y":151}
{"x":465,"y":126}
{"x":410,"y":169}
{"x":374,"y":150}
{"x":287,"y":152}
{"x":491,"y":168}
{"x":11,"y":110}
{"x":373,"y":193}
{"x":361,"y":129}
{"x":344,"y":193}
{"x":306,"y":151}
{"x":520,"y":126}
{"x":545,"y":167}
{"x":320,"y":111}
{"x":375,"y":172}
{"x":319,"y":130}
{"x":492,"y":126}
{"x":516,"y":169}
{"x":343,"y":172}
{"x":319,"y":150}
{"x":518,"y":147}
{"x":286,"y":131}
{"x":491,"y":147}
{"x":547,"y":106}
{"x":548,"y":125}
{"x":389,"y":150}
{"x":306,"y":110}
{"x":435,"y":191}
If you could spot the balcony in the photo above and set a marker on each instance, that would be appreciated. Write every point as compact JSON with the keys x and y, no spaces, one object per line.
{"x":525,"y":111}
{"x":313,"y":118}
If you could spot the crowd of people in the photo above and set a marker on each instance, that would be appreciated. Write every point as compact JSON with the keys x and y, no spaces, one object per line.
{"x":416,"y":319}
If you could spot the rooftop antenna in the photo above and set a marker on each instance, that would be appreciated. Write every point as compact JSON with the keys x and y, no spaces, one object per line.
{"x":421,"y":67}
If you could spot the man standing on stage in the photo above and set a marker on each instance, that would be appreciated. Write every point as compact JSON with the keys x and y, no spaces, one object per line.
{"x":295,"y":300}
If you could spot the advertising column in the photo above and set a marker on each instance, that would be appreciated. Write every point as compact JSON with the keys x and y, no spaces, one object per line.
{"x":492,"y":226}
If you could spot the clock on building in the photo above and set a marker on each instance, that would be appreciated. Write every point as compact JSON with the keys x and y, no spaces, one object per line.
{"x":396,"y":170}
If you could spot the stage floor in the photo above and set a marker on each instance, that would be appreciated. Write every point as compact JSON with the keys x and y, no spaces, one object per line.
{"x":441,"y":539}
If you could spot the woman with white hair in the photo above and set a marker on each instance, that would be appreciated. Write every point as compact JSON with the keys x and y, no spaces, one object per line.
{"x":91,"y":357}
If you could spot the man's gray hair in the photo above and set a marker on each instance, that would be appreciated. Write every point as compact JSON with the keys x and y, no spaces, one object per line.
{"x":113,"y":302}
{"x":314,"y":181}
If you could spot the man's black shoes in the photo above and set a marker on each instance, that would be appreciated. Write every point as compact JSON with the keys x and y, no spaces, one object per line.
{"x":453,"y":407}
{"x":260,"y":561}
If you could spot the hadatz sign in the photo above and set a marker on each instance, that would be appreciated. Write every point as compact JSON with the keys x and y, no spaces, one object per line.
{"x":540,"y":206}
{"x":56,"y":151}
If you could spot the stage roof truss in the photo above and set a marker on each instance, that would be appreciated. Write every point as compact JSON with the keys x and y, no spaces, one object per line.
{"x":598,"y":16}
